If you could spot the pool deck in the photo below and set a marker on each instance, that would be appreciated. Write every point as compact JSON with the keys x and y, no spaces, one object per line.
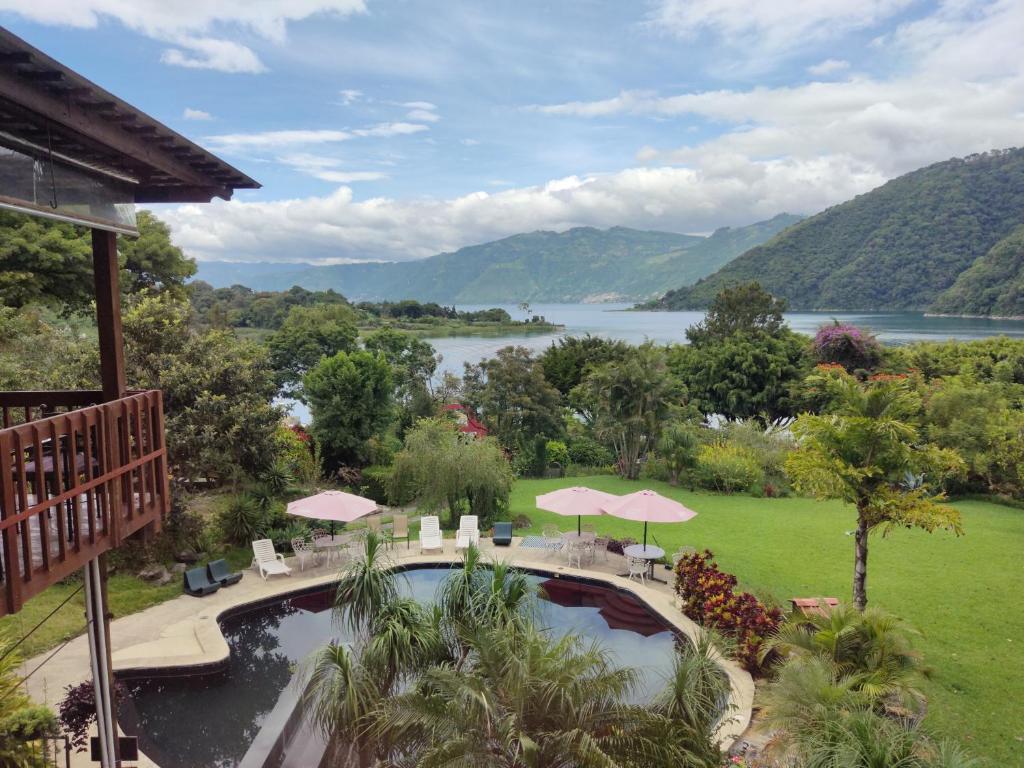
{"x":184,"y":632}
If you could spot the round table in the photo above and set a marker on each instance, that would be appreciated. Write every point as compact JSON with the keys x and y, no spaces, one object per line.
{"x":573,"y":536}
{"x":650,"y":553}
{"x":331,"y":544}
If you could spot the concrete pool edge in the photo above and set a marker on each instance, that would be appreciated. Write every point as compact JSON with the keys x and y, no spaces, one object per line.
{"x":155,"y":657}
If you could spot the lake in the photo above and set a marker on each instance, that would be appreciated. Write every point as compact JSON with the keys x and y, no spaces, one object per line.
{"x":610,"y":321}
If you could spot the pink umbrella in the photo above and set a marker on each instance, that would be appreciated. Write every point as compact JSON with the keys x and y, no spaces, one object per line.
{"x":650,"y":507}
{"x":333,"y":506}
{"x":575,"y":501}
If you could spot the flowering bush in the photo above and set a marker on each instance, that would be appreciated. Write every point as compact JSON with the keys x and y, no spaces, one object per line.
{"x":709,"y":598}
{"x":848,"y":346}
{"x":615,"y":546}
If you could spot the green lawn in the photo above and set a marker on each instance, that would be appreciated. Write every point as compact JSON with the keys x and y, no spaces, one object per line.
{"x":962,"y":593}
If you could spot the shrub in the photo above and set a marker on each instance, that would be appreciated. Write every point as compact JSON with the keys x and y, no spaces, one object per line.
{"x":710,"y":599}
{"x":615,"y":546}
{"x":587,"y":452}
{"x":376,"y":481}
{"x":769,"y":447}
{"x":558,"y":453}
{"x":848,"y":346}
{"x":242,"y":520}
{"x":728,"y":467}
{"x":282,"y":536}
{"x":521,"y":521}
{"x":29,"y":723}
{"x":77,"y":710}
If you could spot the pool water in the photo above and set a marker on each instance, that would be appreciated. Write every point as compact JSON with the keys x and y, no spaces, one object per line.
{"x":184,"y":721}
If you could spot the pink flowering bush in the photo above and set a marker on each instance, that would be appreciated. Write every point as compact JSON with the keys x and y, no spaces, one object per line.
{"x":847,"y":345}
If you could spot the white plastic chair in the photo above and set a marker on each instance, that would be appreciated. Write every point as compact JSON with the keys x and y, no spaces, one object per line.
{"x":267,"y":561}
{"x":303,"y":551}
{"x":638,"y":567}
{"x":430,"y":533}
{"x":469,"y":532}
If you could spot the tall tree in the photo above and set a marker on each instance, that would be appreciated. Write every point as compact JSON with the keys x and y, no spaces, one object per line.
{"x":679,"y":446}
{"x":512,"y":396}
{"x":50,"y":262}
{"x":308,"y":335}
{"x":631,"y":400}
{"x":351,"y":398}
{"x":745,"y":308}
{"x":863,"y":450}
{"x":566,"y":361}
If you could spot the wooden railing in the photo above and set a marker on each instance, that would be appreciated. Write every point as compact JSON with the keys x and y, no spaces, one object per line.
{"x":74,"y":482}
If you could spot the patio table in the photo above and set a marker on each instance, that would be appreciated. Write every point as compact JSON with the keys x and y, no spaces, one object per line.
{"x":647,"y":552}
{"x":331,"y":544}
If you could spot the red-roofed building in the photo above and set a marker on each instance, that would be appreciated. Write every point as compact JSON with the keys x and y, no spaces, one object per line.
{"x":464,"y":417}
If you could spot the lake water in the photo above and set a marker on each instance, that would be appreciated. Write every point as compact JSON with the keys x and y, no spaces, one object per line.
{"x":610,"y":321}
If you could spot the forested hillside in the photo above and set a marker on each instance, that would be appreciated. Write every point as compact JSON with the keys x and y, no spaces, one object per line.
{"x":993,"y":285}
{"x":581,"y":264}
{"x":901,"y":246}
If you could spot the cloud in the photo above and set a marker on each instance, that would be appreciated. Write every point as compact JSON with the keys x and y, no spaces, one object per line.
{"x":212,"y":53}
{"x":272,"y":139}
{"x":423,"y":111}
{"x":424,"y":105}
{"x":327,"y":168}
{"x":469,"y":142}
{"x":692,"y":199}
{"x":187,"y":25}
{"x":774,"y":27}
{"x":349,"y":95}
{"x":828,"y":67}
{"x":196,"y":114}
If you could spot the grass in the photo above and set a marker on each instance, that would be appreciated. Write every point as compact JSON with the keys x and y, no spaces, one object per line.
{"x":961,"y":593}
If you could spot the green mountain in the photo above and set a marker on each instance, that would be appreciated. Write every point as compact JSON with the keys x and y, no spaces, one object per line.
{"x":903,"y":246}
{"x":992,"y":285}
{"x":581,"y":264}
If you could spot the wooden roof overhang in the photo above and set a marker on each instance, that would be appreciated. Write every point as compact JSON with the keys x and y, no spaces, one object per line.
{"x":49,"y":110}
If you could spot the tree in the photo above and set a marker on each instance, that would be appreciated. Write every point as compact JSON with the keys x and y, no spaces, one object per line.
{"x":847,"y":345}
{"x":862,"y":451}
{"x":631,"y":399}
{"x":746,"y":308}
{"x":36,"y":353}
{"x":218,"y":391}
{"x":679,"y":446}
{"x":476,"y":681}
{"x":351,"y":398}
{"x":566,"y":361}
{"x":440,"y":466}
{"x":50,"y":262}
{"x":412,"y":361}
{"x":745,"y":375}
{"x":308,"y":335}
{"x":512,"y":396}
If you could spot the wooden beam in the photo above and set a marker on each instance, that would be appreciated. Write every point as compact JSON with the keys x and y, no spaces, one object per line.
{"x":108,"y":314}
{"x":87,"y":123}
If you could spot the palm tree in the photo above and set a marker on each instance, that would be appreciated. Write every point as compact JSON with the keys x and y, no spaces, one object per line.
{"x":521,"y":699}
{"x":860,"y":451}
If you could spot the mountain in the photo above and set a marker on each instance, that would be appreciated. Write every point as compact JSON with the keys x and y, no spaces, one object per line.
{"x":224,"y":274}
{"x":902,"y":246}
{"x":992,"y":285}
{"x":581,"y":264}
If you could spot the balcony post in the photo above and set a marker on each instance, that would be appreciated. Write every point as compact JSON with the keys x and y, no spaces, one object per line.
{"x":106,"y":273}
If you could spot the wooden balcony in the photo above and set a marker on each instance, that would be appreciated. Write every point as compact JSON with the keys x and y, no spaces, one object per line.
{"x":78,"y":476}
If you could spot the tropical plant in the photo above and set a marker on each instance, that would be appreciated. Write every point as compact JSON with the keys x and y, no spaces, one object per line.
{"x":861,"y":450}
{"x":871,"y":651}
{"x":631,"y":399}
{"x":21,"y":723}
{"x":241,"y":520}
{"x":848,"y":346}
{"x":678,"y":446}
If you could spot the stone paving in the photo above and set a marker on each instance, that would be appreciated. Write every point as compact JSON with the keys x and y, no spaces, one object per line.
{"x":184,"y":631}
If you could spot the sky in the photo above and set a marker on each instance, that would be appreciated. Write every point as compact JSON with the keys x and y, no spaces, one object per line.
{"x":396,"y":129}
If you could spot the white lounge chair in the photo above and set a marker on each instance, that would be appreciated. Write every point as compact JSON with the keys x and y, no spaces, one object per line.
{"x":469,"y":532}
{"x":267,"y":561}
{"x":430,"y":533}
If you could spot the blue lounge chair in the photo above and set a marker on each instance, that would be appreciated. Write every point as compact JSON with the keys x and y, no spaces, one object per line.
{"x":197,"y":583}
{"x":220,"y":573}
{"x":502,"y":534}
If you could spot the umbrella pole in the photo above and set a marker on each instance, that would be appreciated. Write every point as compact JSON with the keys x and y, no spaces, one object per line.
{"x":645,"y":535}
{"x":332,"y":529}
{"x":579,"y":526}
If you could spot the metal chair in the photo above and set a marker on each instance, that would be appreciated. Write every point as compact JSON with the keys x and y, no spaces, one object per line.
{"x":552,"y":538}
{"x":601,"y":545}
{"x":638,"y":567}
{"x":304,"y":551}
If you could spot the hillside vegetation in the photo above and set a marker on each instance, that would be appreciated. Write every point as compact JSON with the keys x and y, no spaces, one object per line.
{"x":581,"y":264}
{"x":901,"y":246}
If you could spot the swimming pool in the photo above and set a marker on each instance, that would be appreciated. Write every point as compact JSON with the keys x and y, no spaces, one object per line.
{"x":210,"y":717}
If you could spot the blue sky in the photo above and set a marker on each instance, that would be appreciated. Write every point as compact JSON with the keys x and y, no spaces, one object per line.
{"x":391,"y":129}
